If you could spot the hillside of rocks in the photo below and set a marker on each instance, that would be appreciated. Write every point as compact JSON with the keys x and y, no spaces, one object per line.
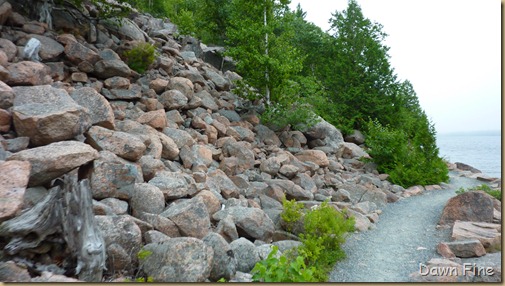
{"x":172,"y":161}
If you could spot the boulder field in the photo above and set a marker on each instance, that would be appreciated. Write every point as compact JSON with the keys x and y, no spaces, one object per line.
{"x":175,"y":163}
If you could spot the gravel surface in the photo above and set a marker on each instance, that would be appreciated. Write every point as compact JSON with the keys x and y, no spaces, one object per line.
{"x":405,"y":236}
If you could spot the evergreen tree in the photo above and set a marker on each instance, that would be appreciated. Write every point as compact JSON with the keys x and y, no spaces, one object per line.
{"x":362,"y":80}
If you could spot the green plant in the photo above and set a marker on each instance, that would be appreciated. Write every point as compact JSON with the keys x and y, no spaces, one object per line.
{"x":222,"y":279}
{"x":291,"y":213}
{"x":325,"y":229}
{"x":140,"y":57}
{"x":282,"y":269}
{"x":485,"y":188}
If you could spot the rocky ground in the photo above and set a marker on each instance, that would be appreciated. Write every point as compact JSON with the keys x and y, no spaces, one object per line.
{"x":174,"y":162}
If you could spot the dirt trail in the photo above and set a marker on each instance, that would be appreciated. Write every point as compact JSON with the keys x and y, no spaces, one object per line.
{"x":404,"y":237}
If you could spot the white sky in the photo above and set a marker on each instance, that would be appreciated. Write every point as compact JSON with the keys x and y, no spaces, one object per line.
{"x":450,"y":50}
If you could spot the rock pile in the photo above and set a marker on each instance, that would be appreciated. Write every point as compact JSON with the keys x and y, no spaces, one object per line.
{"x":178,"y":165}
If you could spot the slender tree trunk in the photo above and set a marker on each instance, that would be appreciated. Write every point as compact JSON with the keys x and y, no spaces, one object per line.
{"x":267,"y":78}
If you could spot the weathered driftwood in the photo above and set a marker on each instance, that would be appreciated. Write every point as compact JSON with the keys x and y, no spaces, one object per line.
{"x":30,"y":228}
{"x":68,"y":211}
{"x":83,"y":237}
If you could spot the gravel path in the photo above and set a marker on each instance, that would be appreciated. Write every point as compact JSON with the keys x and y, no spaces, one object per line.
{"x":404,"y":237}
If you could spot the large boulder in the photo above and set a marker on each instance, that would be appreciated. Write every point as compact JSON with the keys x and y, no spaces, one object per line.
{"x":47,"y":114}
{"x":184,"y":259}
{"x":469,"y":206}
{"x":327,"y":133}
{"x":220,"y":183}
{"x":224,"y":263}
{"x":97,"y":106}
{"x":112,"y":176}
{"x":252,"y":223}
{"x":315,"y":156}
{"x":190,"y":216}
{"x":28,"y":73}
{"x":246,"y":254}
{"x":53,"y":160}
{"x":49,"y":48}
{"x":174,"y":185}
{"x":147,"y":198}
{"x":125,"y":145}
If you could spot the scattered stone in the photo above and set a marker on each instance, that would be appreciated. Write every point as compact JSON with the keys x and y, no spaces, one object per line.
{"x":224,"y":263}
{"x":98,"y":107}
{"x":147,"y":198}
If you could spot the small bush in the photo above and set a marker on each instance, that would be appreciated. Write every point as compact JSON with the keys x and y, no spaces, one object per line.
{"x":298,"y":115}
{"x":325,"y":230}
{"x":282,"y":269}
{"x":140,"y":57}
{"x":291,"y":213}
{"x":494,"y":193}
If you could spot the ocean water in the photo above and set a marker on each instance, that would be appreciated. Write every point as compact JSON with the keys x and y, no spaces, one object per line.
{"x":481,"y":150}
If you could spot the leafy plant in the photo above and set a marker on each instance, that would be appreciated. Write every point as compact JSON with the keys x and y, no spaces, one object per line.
{"x":325,"y":230}
{"x":282,"y":269}
{"x":494,"y":193}
{"x":140,"y":57}
{"x":291,"y":213}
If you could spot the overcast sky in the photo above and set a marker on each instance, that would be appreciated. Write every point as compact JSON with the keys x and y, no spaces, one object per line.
{"x":450,"y":50}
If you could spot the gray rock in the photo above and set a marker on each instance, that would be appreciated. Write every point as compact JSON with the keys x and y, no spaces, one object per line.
{"x":147,"y":198}
{"x":222,"y":84}
{"x":118,"y":207}
{"x":180,"y":137}
{"x":97,"y":106}
{"x":466,"y":248}
{"x":112,"y":176}
{"x":47,"y":114}
{"x":161,"y":224}
{"x":224,"y":263}
{"x":326,"y":132}
{"x":125,"y":145}
{"x":49,"y":49}
{"x":217,"y":181}
{"x":123,"y":240}
{"x":246,"y":254}
{"x":250,"y":222}
{"x":173,"y":99}
{"x":174,"y":185}
{"x":184,"y":259}
{"x":154,"y":236}
{"x":190,"y":216}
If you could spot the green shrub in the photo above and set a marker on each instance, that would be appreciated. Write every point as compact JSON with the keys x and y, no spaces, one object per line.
{"x":282,"y":269}
{"x":325,"y":230}
{"x":291,"y":213}
{"x":140,"y":57}
{"x":494,"y":193}
{"x":406,"y":158}
{"x":298,"y":115}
